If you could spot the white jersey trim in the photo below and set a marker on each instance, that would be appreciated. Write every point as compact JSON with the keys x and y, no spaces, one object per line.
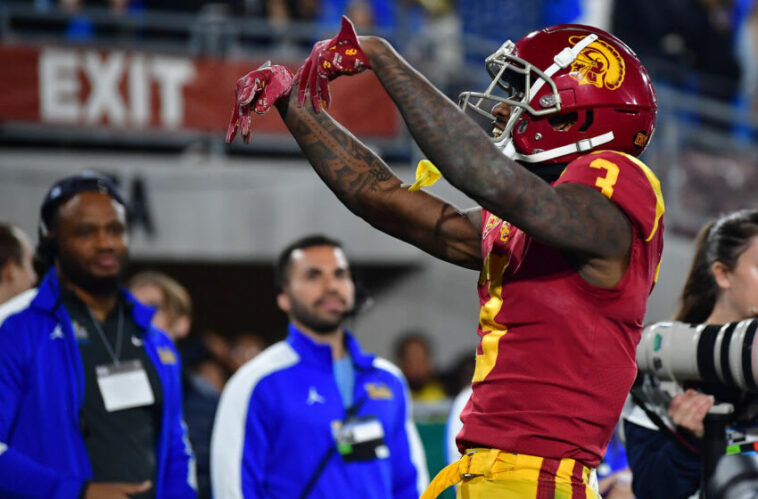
{"x":16,"y":304}
{"x":228,"y":438}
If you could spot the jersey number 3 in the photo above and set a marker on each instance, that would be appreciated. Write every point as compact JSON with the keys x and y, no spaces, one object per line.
{"x":607,"y":182}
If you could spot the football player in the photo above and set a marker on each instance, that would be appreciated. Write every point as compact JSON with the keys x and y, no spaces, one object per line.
{"x":567,"y":235}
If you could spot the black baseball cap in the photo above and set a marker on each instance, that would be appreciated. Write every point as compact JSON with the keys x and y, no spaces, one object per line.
{"x":68,"y":187}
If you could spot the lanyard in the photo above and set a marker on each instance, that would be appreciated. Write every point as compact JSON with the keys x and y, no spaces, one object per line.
{"x":351,"y":411}
{"x":119,"y":333}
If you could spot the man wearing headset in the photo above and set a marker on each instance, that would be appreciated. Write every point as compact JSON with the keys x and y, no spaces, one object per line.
{"x":90,"y":392}
{"x":313,"y":415}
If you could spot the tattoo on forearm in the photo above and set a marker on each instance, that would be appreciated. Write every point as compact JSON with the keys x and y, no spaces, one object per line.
{"x":367,"y":186}
{"x":348,"y":167}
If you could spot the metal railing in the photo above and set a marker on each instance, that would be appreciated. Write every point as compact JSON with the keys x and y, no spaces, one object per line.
{"x":706,"y":156}
{"x":214,"y":30}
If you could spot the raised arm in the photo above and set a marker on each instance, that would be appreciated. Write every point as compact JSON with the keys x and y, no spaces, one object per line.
{"x":469,"y":160}
{"x":366,"y":185}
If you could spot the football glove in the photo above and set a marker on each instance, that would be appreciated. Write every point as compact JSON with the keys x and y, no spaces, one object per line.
{"x":256,"y":92}
{"x":342,"y":55}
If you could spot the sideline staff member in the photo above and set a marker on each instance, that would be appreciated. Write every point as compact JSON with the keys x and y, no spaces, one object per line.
{"x":90,"y":393}
{"x":313,"y":415}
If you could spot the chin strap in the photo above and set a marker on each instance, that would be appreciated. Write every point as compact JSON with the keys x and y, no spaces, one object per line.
{"x":580,"y":146}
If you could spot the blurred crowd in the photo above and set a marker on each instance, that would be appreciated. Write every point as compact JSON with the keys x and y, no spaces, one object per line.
{"x":704,"y":46}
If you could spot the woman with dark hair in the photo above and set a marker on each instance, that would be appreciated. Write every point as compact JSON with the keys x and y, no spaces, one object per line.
{"x":707,"y":296}
{"x":722,"y":287}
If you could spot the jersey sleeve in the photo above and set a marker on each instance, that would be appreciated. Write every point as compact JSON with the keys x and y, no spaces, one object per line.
{"x":626,"y":181}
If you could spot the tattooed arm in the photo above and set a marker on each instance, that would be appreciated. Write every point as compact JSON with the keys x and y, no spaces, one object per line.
{"x":366,"y":185}
{"x":570,"y":216}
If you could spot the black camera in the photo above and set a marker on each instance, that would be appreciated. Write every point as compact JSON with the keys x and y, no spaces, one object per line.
{"x":736,"y":477}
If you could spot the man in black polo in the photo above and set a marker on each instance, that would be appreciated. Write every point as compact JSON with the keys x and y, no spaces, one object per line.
{"x":91,"y":391}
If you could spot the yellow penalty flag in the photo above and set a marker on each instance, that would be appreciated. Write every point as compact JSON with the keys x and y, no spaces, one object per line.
{"x":426,"y":175}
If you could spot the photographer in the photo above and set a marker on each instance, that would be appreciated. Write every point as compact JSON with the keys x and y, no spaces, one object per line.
{"x":721,"y":288}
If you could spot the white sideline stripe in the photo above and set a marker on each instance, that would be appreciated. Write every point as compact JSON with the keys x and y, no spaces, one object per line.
{"x":17,"y":304}
{"x":228,"y":437}
{"x":418,"y":458}
{"x":388,"y":366}
{"x":3,"y":448}
{"x":454,"y":425}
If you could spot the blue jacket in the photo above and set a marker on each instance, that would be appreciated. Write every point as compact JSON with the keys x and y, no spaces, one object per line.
{"x":42,"y":452}
{"x":274,"y":426}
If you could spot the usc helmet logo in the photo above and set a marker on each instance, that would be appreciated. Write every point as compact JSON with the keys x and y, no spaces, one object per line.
{"x":599,"y":64}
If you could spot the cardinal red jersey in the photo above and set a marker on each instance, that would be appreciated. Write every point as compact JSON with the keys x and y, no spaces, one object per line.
{"x":557,"y":355}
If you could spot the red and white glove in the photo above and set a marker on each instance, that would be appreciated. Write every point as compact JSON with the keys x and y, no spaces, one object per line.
{"x":342,"y":55}
{"x":257,"y":92}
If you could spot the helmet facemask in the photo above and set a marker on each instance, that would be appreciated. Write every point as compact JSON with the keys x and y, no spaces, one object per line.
{"x":517,"y":80}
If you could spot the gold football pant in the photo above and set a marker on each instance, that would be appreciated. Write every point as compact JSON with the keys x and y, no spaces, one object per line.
{"x":492,"y":473}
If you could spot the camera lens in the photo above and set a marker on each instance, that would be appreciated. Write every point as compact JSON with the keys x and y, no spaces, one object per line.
{"x":678,"y":351}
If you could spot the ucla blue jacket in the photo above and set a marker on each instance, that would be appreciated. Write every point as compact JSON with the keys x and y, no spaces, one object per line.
{"x":42,"y":452}
{"x":274,"y":426}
